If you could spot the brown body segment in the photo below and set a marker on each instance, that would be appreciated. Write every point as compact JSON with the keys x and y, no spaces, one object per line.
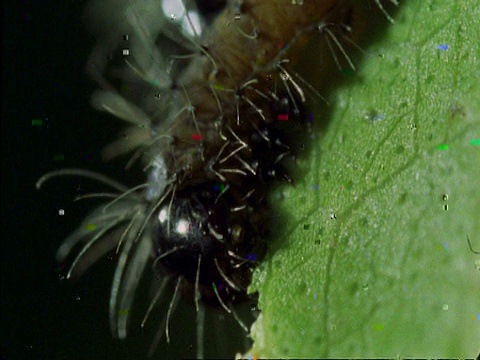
{"x":245,"y":43}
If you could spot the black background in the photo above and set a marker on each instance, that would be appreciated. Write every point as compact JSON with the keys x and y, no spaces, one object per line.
{"x":43,"y":78}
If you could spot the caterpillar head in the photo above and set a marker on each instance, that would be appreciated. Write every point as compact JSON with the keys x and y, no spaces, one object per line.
{"x":199,"y":236}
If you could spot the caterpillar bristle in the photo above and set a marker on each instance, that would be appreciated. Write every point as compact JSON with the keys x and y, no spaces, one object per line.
{"x":384,"y":11}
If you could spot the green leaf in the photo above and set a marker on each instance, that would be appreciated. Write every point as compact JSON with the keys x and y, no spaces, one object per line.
{"x":383,"y":267}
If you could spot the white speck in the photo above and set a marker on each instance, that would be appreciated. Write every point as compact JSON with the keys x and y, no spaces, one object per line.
{"x":157,"y":179}
{"x":183,"y":227}
{"x":162,"y":215}
{"x":173,"y":9}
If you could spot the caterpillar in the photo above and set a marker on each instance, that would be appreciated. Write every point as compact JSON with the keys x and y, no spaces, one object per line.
{"x":209,"y":93}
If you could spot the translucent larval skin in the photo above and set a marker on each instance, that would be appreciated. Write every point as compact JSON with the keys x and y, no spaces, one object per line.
{"x":203,"y":104}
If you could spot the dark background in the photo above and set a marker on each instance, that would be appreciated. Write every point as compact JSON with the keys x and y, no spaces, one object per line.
{"x":43,"y":78}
